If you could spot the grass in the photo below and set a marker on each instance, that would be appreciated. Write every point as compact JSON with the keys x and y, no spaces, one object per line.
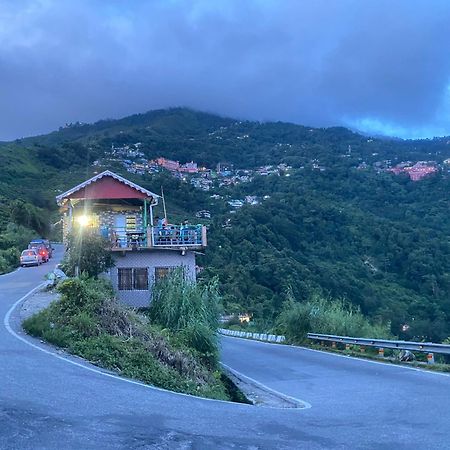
{"x":189,"y":310}
{"x":325,"y":316}
{"x":88,"y":322}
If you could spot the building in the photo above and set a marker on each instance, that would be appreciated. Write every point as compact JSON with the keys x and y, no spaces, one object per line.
{"x":190,"y":167}
{"x":168,"y":164}
{"x":144,"y":249}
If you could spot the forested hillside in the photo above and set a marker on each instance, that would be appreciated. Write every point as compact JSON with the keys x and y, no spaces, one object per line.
{"x":336,"y":222}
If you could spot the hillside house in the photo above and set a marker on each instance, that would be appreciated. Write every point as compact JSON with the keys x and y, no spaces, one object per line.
{"x":144,"y":248}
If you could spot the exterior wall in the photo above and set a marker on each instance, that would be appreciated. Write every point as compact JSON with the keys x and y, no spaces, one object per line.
{"x":106,"y":216}
{"x":149,"y":259}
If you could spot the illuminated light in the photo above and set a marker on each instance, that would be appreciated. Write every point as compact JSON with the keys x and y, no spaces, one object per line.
{"x":83,"y":220}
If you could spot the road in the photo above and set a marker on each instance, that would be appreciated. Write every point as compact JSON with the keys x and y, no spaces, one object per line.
{"x":50,"y":402}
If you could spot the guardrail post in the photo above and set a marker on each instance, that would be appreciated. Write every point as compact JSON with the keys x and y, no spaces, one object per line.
{"x":362,"y":349}
{"x":347,"y":346}
{"x":430,"y":358}
{"x":381,"y":352}
{"x":333,"y":344}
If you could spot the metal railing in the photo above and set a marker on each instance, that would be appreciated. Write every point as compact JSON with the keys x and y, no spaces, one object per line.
{"x":179,"y":236}
{"x":381,"y":344}
{"x":175,"y":236}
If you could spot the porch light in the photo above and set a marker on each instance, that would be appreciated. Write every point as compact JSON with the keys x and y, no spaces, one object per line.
{"x":83,"y":220}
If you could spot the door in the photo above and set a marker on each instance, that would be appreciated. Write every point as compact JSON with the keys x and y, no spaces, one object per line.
{"x":120,"y":222}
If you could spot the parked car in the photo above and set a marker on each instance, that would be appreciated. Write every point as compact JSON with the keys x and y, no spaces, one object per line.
{"x":30,"y":257}
{"x":44,"y":247}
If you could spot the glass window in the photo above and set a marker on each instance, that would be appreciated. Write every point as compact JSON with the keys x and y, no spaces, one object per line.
{"x":140,"y":279}
{"x":161,"y":272}
{"x":125,"y":279}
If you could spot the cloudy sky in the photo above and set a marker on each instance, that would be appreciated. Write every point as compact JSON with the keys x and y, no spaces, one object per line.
{"x":381,"y":66}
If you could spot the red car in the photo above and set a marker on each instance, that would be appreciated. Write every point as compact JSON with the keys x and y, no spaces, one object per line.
{"x":41,"y":250}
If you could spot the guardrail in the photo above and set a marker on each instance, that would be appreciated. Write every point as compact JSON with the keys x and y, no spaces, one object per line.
{"x":425,"y":347}
{"x":255,"y":336}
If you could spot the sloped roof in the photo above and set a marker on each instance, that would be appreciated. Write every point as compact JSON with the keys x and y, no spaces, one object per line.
{"x":107,"y":173}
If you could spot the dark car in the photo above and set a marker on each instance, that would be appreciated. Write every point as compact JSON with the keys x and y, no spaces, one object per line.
{"x":41,"y":249}
{"x":45,"y":242}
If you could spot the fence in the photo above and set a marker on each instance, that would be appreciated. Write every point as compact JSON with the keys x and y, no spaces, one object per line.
{"x":255,"y":336}
{"x":424,"y":347}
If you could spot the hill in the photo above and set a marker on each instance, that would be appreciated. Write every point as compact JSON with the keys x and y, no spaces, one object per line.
{"x":329,"y":214}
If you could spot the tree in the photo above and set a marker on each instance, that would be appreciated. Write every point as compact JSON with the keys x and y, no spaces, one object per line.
{"x":89,"y":252}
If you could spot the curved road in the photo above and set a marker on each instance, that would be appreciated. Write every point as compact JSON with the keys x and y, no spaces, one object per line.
{"x":48,"y":403}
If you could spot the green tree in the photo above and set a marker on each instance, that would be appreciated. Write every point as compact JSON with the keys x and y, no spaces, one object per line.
{"x":88,"y":253}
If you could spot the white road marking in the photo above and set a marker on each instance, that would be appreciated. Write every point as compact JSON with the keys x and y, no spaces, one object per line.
{"x":6,"y":322}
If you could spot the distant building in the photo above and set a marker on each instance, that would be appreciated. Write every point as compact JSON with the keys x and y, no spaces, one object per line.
{"x":168,"y":164}
{"x":190,"y":167}
{"x":415,"y":172}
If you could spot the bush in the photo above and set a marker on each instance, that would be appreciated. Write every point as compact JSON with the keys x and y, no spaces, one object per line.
{"x":13,"y":240}
{"x":326,"y":316}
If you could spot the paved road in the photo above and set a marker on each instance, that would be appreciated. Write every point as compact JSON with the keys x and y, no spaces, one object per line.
{"x":360,"y":402}
{"x":48,"y":403}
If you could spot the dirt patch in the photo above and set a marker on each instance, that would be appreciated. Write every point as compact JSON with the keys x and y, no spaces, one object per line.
{"x":37,"y":302}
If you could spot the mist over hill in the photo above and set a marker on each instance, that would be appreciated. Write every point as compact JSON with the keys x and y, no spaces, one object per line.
{"x":331,"y":216}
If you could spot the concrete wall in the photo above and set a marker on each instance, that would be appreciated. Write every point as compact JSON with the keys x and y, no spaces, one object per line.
{"x":149,"y":259}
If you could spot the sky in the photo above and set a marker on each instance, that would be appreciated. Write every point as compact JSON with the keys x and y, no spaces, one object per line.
{"x":378,"y":66}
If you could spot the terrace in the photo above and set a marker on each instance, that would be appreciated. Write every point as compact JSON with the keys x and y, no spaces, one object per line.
{"x":157,"y":237}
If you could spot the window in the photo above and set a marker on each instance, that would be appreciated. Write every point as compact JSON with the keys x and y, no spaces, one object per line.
{"x":133,"y":279}
{"x":140,"y":279}
{"x":161,"y":272}
{"x":125,"y":279}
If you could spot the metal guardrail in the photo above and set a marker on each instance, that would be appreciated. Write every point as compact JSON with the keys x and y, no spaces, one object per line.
{"x":425,"y":347}
{"x":256,"y":336}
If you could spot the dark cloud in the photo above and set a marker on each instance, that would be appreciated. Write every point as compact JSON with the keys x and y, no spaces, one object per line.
{"x":378,"y":65}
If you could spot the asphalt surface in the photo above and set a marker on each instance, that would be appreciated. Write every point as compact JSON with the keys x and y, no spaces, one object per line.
{"x":51,"y":401}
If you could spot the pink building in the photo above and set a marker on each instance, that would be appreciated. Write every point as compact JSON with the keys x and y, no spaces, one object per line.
{"x":415,"y":172}
{"x":168,"y":164}
{"x":418,"y":171}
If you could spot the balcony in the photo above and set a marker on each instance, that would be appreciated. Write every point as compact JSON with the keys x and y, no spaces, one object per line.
{"x":181,"y":237}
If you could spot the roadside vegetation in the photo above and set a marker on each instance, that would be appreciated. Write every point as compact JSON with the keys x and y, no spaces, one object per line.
{"x":326,"y":316}
{"x":169,"y":347}
{"x":20,"y":222}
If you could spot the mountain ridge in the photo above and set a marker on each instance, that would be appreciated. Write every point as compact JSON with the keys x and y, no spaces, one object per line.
{"x":340,"y":223}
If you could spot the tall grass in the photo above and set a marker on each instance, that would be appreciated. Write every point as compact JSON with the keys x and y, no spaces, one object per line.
{"x":190,"y":309}
{"x":326,"y":316}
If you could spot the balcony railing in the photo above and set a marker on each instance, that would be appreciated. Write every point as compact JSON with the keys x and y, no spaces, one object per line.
{"x":168,"y":236}
{"x":179,"y":236}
